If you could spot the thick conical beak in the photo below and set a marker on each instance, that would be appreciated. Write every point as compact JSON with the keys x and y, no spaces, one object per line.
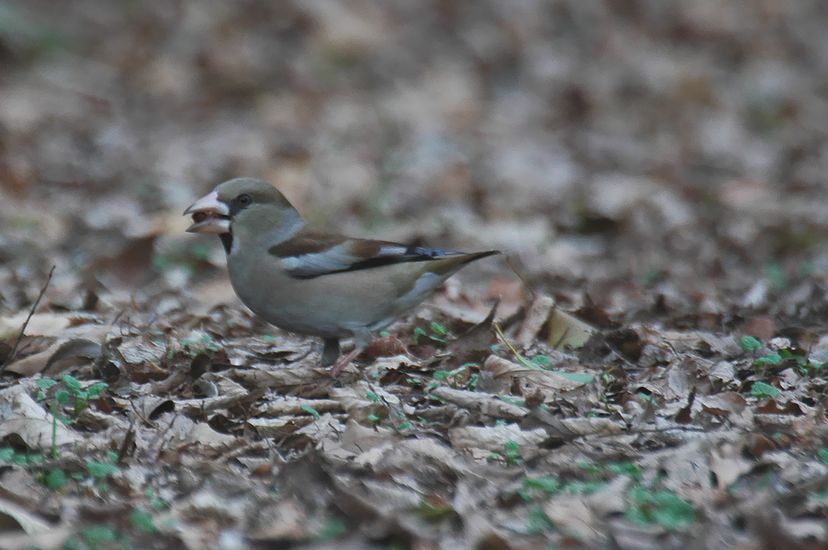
{"x":210,"y":215}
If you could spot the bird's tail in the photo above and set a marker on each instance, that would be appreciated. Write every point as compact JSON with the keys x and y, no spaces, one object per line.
{"x":474,"y":256}
{"x":450,"y":263}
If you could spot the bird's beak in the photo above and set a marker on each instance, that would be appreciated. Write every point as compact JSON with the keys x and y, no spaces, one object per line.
{"x":210,"y":215}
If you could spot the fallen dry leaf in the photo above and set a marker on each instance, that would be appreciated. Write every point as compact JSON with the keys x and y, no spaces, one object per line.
{"x":24,"y":417}
{"x":531,"y":377}
{"x":15,"y":517}
{"x":567,"y":331}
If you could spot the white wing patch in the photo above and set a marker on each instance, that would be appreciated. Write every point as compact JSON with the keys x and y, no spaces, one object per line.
{"x":391,"y":250}
{"x":335,"y":258}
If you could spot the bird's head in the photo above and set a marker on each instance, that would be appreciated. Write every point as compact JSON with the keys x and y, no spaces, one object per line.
{"x":247,"y":203}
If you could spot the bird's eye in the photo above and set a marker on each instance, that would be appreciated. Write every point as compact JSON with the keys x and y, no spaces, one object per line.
{"x":245,"y":199}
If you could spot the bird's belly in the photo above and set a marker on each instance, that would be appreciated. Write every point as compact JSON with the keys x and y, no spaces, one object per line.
{"x":303,"y":316}
{"x":311,"y":306}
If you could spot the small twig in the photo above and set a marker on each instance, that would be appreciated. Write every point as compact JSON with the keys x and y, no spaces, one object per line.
{"x":13,"y":352}
{"x":521,"y":359}
{"x":160,"y":439}
{"x":511,"y":264}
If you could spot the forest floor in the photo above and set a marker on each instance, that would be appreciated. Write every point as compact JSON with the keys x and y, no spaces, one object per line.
{"x":652,"y":374}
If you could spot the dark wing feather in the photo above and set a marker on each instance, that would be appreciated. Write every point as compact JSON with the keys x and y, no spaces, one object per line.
{"x":313,"y":254}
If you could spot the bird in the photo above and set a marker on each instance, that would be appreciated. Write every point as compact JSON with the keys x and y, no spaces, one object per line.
{"x":311,"y":282}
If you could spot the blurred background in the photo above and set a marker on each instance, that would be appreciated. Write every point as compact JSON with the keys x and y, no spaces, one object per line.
{"x":651,"y":158}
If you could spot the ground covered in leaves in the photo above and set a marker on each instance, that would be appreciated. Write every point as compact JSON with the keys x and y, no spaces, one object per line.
{"x":654,"y":375}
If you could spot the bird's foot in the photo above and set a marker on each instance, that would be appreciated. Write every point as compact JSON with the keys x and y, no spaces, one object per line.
{"x":344,"y":361}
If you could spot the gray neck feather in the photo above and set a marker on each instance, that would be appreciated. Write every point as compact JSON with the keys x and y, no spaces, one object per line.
{"x":262,"y":232}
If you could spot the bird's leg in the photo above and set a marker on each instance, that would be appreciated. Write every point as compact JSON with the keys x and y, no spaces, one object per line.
{"x":330,"y":352}
{"x":343,"y":363}
{"x":361,"y":340}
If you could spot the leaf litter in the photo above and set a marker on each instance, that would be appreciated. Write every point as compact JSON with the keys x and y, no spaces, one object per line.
{"x":654,"y":378}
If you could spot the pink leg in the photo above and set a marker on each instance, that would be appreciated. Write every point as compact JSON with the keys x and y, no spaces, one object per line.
{"x":344,"y":361}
